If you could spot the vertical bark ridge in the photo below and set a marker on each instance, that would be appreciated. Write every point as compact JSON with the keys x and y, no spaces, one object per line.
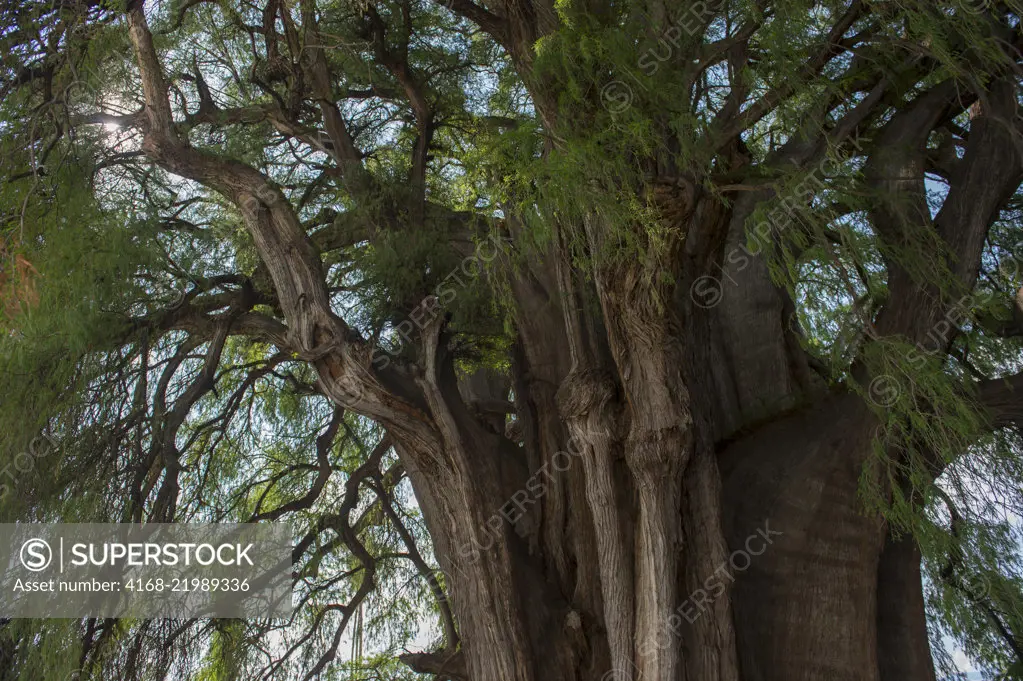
{"x":649,"y":358}
{"x":500,"y":646}
{"x":586,"y":399}
{"x":657,"y":550}
{"x":766,"y":373}
{"x":709,"y":646}
{"x":904,"y":651}
{"x":542,"y":363}
{"x":567,"y":540}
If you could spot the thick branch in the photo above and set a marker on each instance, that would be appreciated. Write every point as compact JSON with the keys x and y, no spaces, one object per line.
{"x":1003,"y":399}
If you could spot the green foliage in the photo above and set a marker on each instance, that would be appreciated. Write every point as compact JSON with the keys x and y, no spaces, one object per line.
{"x":622,"y":122}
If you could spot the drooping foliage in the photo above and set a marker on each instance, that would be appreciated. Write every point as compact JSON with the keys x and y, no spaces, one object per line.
{"x":142,"y":334}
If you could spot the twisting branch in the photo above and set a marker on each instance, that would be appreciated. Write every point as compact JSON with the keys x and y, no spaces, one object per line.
{"x":340,"y":356}
{"x":324,"y":444}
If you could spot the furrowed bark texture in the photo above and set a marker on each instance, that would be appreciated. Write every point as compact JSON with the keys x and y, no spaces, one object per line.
{"x":676,"y":496}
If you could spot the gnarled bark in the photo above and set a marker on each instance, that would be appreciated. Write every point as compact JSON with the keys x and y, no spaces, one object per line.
{"x":655,"y":436}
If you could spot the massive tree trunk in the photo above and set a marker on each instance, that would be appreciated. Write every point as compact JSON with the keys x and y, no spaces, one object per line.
{"x":806,"y":608}
{"x":679,"y":499}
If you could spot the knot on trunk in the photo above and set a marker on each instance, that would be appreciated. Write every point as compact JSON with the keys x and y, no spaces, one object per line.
{"x":586,"y":392}
{"x":656,"y":455}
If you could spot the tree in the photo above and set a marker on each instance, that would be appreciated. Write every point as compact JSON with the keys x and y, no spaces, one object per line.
{"x":691,"y":330}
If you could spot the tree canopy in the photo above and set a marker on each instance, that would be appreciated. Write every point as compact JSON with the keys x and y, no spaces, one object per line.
{"x":244,"y":244}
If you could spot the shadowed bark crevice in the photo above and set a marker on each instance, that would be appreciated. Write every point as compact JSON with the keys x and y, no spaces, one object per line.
{"x":903,"y":647}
